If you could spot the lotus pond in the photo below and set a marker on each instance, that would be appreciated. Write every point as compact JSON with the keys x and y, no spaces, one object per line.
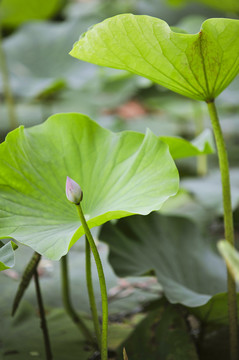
{"x":119,"y":179}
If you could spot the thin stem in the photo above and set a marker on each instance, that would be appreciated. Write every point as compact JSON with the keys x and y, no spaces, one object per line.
{"x":104,"y":332}
{"x":67,"y":301}
{"x":25,"y":281}
{"x":228,"y":224}
{"x":7,"y":88}
{"x":125,"y":357}
{"x":91,"y":292}
{"x":43,"y":319}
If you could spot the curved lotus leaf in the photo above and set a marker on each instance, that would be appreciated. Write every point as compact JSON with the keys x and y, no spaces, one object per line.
{"x":7,"y":257}
{"x":120,"y":174}
{"x":15,"y":12}
{"x":199,"y":66}
{"x":186,"y":263}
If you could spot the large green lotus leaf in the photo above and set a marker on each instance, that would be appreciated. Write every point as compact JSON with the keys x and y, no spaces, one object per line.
{"x":15,"y":12}
{"x":185,"y":262}
{"x":199,"y":66}
{"x":7,"y":258}
{"x":120,"y":174}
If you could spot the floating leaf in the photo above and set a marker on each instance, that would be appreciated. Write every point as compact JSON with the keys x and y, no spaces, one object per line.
{"x":22,"y":338}
{"x":25,"y":340}
{"x":120,"y":174}
{"x":199,"y":66}
{"x":7,"y":257}
{"x":186,"y":263}
{"x":163,"y":334}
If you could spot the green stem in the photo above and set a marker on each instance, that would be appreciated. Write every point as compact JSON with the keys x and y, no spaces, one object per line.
{"x":228,"y":224}
{"x":25,"y":281}
{"x":67,"y":301}
{"x":43,"y":318}
{"x":6,"y":87}
{"x":104,"y":333}
{"x":91,"y":292}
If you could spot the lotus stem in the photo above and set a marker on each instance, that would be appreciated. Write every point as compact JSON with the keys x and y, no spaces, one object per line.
{"x":93,"y":307}
{"x":25,"y":281}
{"x":125,"y":356}
{"x":104,"y":331}
{"x":68,"y":304}
{"x":43,"y":318}
{"x":228,"y":225}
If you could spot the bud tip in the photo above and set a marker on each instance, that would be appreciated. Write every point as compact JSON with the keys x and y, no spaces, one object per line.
{"x":73,"y":191}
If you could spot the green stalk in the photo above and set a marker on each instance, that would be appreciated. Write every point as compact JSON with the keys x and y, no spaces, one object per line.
{"x":25,"y":281}
{"x":228,"y":224}
{"x":91,"y":292}
{"x":7,"y":88}
{"x":104,"y":332}
{"x":67,"y":302}
{"x":43,"y":318}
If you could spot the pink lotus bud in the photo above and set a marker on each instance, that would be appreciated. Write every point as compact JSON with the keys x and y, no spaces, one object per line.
{"x":73,"y":191}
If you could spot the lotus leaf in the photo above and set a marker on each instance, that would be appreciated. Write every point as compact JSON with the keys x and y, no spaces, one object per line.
{"x":120,"y":174}
{"x":198,"y":66}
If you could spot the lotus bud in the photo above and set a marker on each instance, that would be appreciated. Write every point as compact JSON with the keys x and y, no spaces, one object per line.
{"x":73,"y":191}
